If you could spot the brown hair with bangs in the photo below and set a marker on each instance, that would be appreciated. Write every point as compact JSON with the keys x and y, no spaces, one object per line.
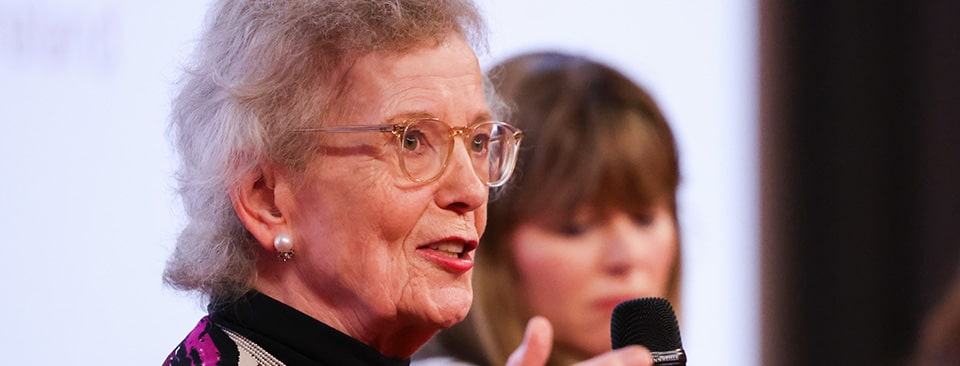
{"x":596,"y":139}
{"x":593,"y":139}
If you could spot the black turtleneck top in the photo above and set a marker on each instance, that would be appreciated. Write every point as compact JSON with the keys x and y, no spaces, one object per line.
{"x":290,"y":336}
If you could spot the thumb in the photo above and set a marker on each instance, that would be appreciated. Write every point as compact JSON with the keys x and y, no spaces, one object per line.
{"x":535,"y":347}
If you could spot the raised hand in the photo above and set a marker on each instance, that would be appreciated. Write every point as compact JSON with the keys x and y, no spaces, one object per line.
{"x":538,"y":342}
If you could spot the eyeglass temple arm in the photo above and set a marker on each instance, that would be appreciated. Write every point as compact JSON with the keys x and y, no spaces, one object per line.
{"x":378,"y":128}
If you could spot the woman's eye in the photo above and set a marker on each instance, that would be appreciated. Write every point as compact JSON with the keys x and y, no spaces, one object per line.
{"x":571,"y":229}
{"x":645,"y":219}
{"x":479,"y":142}
{"x":412,"y":140}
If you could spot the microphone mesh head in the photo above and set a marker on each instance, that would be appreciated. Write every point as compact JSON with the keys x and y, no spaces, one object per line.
{"x":648,"y":321}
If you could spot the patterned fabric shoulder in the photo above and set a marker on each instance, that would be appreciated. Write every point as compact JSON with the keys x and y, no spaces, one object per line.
{"x":206,"y":345}
{"x":251,"y":354}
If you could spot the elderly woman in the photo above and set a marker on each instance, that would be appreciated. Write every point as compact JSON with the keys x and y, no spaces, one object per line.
{"x":336,"y":158}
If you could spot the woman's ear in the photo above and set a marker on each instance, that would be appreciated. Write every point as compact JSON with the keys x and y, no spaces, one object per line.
{"x":255,"y":201}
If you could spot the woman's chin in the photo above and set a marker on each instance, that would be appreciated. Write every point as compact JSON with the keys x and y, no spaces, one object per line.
{"x":450,"y":306}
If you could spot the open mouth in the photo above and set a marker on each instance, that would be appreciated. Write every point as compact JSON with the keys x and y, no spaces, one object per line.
{"x":449,"y":249}
{"x":452,"y":253}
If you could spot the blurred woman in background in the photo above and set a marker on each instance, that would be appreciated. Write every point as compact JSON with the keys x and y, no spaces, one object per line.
{"x":590,"y":221}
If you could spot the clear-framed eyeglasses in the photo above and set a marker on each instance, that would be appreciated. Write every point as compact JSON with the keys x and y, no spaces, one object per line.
{"x":424,"y":147}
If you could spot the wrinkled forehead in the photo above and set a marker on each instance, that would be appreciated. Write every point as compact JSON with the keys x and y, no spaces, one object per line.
{"x":437,"y":80}
{"x":451,"y":57}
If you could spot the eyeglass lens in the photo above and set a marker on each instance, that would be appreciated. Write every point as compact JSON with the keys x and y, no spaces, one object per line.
{"x":425,"y":146}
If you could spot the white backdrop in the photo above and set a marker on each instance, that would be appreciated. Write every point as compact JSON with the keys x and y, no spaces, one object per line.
{"x":88,"y":215}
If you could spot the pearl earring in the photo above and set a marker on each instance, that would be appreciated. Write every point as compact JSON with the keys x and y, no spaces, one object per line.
{"x":284,"y":246}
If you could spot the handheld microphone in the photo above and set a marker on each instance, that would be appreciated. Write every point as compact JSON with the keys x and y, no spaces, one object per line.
{"x":649,"y":322}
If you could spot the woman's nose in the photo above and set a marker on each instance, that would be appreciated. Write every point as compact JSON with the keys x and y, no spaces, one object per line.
{"x":461,"y":189}
{"x":622,"y":248}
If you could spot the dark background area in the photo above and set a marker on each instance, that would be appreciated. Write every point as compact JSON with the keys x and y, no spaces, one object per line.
{"x":860,"y":176}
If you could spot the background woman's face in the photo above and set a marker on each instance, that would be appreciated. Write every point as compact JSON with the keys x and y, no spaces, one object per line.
{"x":380,"y":246}
{"x":575,"y":274}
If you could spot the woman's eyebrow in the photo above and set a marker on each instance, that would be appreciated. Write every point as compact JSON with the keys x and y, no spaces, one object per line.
{"x":403,"y":116}
{"x":482,"y":117}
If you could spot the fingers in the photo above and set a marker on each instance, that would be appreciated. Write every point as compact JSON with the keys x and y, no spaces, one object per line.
{"x":535,"y":347}
{"x":626,"y":356}
{"x":537,"y":342}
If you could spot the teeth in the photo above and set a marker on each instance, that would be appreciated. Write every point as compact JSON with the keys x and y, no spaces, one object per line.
{"x":453,"y":249}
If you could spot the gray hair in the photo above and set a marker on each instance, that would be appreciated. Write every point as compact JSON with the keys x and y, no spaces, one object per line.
{"x":261,"y":69}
